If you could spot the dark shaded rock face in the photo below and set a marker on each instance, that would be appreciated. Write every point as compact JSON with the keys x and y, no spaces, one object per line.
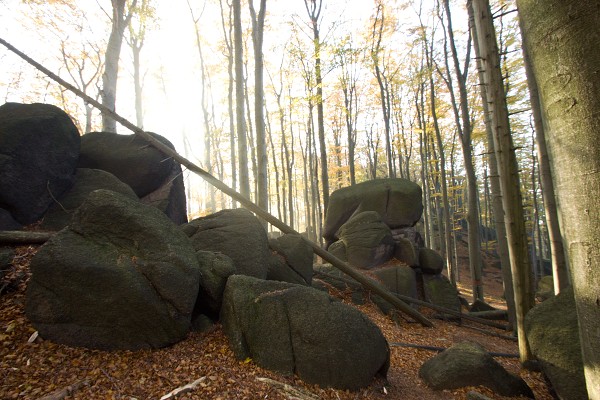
{"x":86,"y":181}
{"x":399,"y":279}
{"x":154,"y":177}
{"x":406,"y":252}
{"x":236,"y":233}
{"x":215,"y":269}
{"x":430,"y":261}
{"x":367,"y":239}
{"x":39,"y":148}
{"x":468,"y":364}
{"x":120,"y":276}
{"x":296,"y":329}
{"x":439,"y":291}
{"x":553,"y":337}
{"x":397,"y":201}
{"x":296,"y":258}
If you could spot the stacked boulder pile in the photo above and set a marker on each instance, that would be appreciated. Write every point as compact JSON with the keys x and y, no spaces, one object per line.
{"x":126,"y":270}
{"x":371,"y":225}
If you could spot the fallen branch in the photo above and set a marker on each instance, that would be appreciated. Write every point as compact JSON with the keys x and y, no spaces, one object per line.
{"x":289,"y":390}
{"x":440,"y":349}
{"x":336,"y":262}
{"x":24,"y":237}
{"x":62,"y":393}
{"x":505,"y":337}
{"x":183,"y":389}
{"x":427,"y":305}
{"x":490,"y":314}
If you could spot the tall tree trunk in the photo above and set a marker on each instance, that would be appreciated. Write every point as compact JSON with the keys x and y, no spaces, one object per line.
{"x":508,"y":168}
{"x":111,"y":61}
{"x":239,"y":100}
{"x":258,"y":22}
{"x":137,"y":84}
{"x":313,"y":7}
{"x":227,"y":35}
{"x":465,"y":130}
{"x":447,"y":239}
{"x":560,"y":270}
{"x":562,"y":37}
{"x":209,"y":200}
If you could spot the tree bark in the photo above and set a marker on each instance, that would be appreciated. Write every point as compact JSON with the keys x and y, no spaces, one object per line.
{"x":497,"y":207}
{"x":560,"y":268}
{"x":562,"y":39}
{"x":508,"y":168}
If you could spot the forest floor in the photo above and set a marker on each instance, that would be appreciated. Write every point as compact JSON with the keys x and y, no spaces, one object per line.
{"x":32,"y":369}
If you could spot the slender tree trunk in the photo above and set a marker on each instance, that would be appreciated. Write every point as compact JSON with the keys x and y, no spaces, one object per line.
{"x":258,"y":22}
{"x":239,"y":100}
{"x":313,"y":8}
{"x":508,"y":169}
{"x":111,"y":61}
{"x":562,"y":37}
{"x":227,"y":35}
{"x":465,"y":130}
{"x":447,"y":245}
{"x":560,"y":270}
{"x":137,"y":85}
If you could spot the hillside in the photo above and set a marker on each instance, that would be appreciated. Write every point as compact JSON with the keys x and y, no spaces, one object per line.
{"x":33,"y":370}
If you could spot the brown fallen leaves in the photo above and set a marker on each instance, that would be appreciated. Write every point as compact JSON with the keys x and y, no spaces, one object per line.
{"x":33,"y":370}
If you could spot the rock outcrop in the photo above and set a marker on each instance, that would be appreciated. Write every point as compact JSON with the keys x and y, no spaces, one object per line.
{"x":295,"y":329}
{"x":120,"y":276}
{"x":38,"y":155}
{"x":468,"y":364}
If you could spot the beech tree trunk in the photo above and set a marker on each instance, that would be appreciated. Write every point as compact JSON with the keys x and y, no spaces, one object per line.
{"x":464,"y":127}
{"x":258,"y":22}
{"x":239,"y":100}
{"x":111,"y":61}
{"x":562,"y":39}
{"x":560,"y":269}
{"x":313,"y":8}
{"x":514,"y":220}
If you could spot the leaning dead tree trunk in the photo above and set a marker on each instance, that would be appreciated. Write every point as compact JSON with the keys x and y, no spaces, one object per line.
{"x":24,"y":237}
{"x":367,"y":282}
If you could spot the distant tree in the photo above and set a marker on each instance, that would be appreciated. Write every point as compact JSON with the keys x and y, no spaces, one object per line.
{"x":258,"y":23}
{"x":313,"y":8}
{"x":239,"y":100}
{"x":120,"y":20}
{"x":144,"y":16}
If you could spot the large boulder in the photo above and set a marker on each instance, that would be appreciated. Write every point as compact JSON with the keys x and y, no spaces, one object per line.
{"x":397,"y":201}
{"x":430,"y":261}
{"x":236,"y":233}
{"x":86,"y":181}
{"x":154,"y":177}
{"x":553,"y":336}
{"x":296,"y":329}
{"x":468,"y":364}
{"x":39,"y":148}
{"x":368,"y":241}
{"x":215,"y":269}
{"x":296,"y":257}
{"x":399,"y":279}
{"x":120,"y":276}
{"x":438,"y":290}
